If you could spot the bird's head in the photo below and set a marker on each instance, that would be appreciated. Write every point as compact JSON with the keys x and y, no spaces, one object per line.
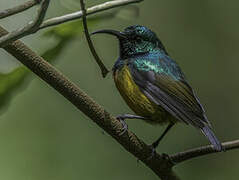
{"x":135,"y":40}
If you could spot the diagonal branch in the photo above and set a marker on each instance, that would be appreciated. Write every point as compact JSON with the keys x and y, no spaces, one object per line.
{"x":160,"y":165}
{"x":104,"y":70}
{"x":11,"y":11}
{"x":201,"y":151}
{"x":30,"y":28}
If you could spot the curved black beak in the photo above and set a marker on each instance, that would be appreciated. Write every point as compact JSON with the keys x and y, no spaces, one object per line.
{"x":118,"y":34}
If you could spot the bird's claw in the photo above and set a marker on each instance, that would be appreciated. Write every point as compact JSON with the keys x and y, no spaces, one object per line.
{"x":125,"y":126}
{"x":168,"y":158}
{"x":165,"y":156}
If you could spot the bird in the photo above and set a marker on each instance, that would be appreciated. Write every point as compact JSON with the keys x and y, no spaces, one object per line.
{"x":154,"y":86}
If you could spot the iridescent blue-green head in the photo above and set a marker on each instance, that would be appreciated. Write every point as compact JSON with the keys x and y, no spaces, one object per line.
{"x":135,"y":40}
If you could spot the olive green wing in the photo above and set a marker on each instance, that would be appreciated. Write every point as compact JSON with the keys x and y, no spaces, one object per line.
{"x":175,"y":96}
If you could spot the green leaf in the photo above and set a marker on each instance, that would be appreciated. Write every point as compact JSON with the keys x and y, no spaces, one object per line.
{"x":10,"y":82}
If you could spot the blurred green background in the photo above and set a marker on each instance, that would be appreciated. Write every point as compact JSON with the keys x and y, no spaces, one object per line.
{"x":43,"y":136}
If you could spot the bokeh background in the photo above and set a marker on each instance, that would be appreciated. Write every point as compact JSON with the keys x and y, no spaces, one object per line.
{"x":43,"y":136}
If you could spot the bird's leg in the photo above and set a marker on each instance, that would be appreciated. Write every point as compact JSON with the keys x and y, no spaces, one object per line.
{"x":156,"y":143}
{"x":129,"y":116}
{"x":122,"y":118}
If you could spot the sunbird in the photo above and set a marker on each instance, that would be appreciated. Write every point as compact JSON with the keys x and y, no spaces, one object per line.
{"x":153,"y":85}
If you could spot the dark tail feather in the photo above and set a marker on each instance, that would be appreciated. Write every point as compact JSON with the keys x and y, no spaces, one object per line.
{"x":212,"y":138}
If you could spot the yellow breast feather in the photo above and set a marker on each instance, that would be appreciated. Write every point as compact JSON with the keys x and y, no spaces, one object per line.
{"x":135,"y":99}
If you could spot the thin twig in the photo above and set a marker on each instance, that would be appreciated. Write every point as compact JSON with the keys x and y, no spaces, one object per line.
{"x":37,"y":24}
{"x":91,"y":10}
{"x":158,"y":164}
{"x":11,"y":11}
{"x":104,"y":70}
{"x":30,"y":28}
{"x":204,"y":150}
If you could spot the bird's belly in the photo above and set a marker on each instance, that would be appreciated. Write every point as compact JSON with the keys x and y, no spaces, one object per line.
{"x":136,"y":100}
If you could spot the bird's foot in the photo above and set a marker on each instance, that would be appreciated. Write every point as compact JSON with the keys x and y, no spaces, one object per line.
{"x":167,"y":158}
{"x":163,"y":155}
{"x":121,"y":118}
